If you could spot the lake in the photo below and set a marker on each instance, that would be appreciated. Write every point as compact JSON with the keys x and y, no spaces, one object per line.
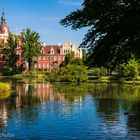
{"x":64,"y":111}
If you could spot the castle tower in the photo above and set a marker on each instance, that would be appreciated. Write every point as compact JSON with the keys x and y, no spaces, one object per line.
{"x":4,"y":29}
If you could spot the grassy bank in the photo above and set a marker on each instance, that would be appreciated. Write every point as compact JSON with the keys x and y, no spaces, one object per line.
{"x":114,"y":79}
{"x":91,"y":79}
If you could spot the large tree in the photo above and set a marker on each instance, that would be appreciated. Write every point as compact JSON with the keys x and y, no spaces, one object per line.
{"x":70,"y":59}
{"x":31,"y":46}
{"x":114,"y":30}
{"x":9,"y":51}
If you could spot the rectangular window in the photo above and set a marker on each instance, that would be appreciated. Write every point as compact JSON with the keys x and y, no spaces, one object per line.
{"x":54,"y":58}
{"x":39,"y":65}
{"x":44,"y":58}
{"x":44,"y":66}
{"x":59,"y":57}
{"x":39,"y":58}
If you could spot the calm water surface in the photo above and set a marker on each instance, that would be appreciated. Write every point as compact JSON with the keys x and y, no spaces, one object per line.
{"x":64,"y":112}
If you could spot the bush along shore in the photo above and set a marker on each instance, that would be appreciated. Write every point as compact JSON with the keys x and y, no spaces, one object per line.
{"x":75,"y":70}
{"x":5,"y":90}
{"x":78,"y":74}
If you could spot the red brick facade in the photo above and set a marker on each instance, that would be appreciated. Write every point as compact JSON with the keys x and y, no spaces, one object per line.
{"x":51,"y":57}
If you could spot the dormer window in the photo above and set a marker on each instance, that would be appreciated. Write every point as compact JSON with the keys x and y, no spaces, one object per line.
{"x":52,"y":51}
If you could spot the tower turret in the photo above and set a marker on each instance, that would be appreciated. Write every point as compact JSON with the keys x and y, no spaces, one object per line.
{"x":3,"y":18}
{"x":4,"y":29}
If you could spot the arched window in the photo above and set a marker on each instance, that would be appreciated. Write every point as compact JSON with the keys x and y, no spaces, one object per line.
{"x":52,"y":51}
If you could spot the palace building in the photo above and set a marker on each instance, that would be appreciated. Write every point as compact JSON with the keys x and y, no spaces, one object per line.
{"x":4,"y":29}
{"x":52,"y":54}
{"x":55,"y":55}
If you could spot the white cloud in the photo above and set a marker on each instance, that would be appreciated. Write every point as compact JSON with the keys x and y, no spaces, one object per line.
{"x":71,"y":2}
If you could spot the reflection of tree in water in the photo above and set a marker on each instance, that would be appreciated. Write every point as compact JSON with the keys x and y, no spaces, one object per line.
{"x":134,"y":117}
{"x":30,"y":94}
{"x":30,"y":99}
{"x":5,"y":105}
{"x":73,"y":91}
{"x":108,"y":108}
{"x":111,"y":99}
{"x":116,"y":91}
{"x":47,"y":92}
{"x":73,"y":96}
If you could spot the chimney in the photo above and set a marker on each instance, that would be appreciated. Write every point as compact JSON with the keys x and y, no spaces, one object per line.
{"x":59,"y":43}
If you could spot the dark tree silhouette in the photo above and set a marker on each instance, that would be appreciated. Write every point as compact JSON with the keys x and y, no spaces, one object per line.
{"x":114,"y":30}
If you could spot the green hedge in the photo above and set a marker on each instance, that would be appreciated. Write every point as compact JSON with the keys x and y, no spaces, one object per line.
{"x":70,"y":73}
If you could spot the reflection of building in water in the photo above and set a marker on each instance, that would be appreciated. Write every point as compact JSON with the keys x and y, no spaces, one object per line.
{"x":21,"y":94}
{"x":44,"y":92}
{"x":3,"y":114}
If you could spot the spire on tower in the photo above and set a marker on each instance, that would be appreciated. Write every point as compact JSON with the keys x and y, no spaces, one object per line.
{"x":3,"y":18}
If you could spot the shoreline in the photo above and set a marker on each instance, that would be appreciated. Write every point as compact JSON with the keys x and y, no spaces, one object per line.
{"x":91,"y":79}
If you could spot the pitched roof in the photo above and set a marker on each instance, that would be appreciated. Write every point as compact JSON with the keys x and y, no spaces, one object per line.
{"x":48,"y":48}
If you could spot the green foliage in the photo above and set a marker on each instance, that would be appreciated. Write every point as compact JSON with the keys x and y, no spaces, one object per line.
{"x":85,"y":58}
{"x":31,"y":46}
{"x":70,"y":73}
{"x":8,"y":71}
{"x":4,"y":90}
{"x":77,"y":61}
{"x":9,"y":49}
{"x":36,"y":73}
{"x":131,"y":69}
{"x":70,"y":59}
{"x":114,"y":30}
{"x":55,"y":76}
{"x":74,"y":73}
{"x":98,"y":71}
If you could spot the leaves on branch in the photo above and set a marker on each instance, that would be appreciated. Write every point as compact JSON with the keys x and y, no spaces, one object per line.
{"x":114,"y":34}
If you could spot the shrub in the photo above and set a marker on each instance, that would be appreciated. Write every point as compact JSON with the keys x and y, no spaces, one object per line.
{"x":4,"y":90}
{"x":131,"y":69}
{"x":6,"y":71}
{"x":77,"y":61}
{"x":54,"y":75}
{"x":36,"y":73}
{"x":70,"y":59}
{"x":70,"y":73}
{"x":99,"y":71}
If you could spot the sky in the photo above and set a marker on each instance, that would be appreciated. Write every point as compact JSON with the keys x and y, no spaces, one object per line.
{"x":42,"y":16}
